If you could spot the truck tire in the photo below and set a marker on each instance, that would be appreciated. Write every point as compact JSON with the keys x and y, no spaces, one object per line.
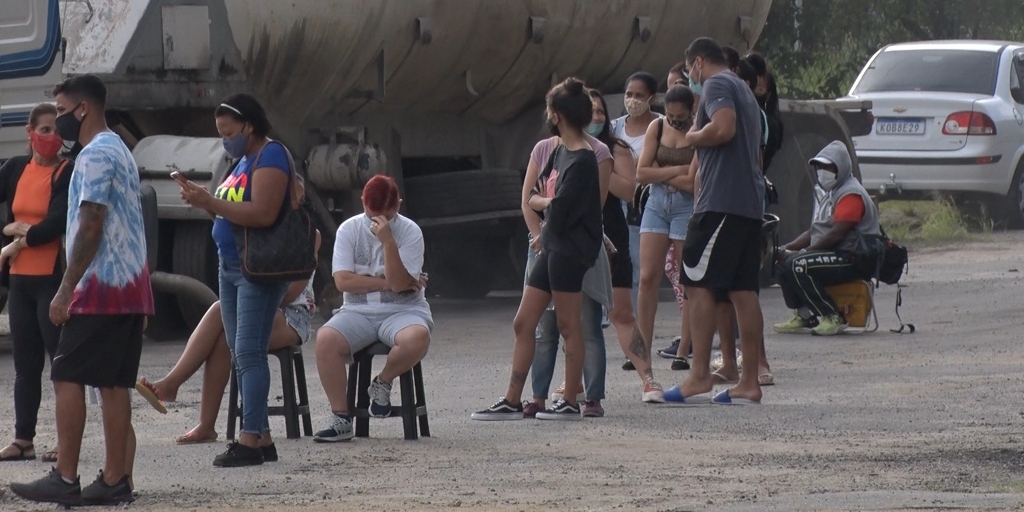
{"x":462,"y":269}
{"x":452,"y":194}
{"x":194,"y":255}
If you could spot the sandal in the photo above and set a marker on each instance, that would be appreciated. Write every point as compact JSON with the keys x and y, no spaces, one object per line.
{"x":718,"y":377}
{"x":21,"y":453}
{"x":49,"y":455}
{"x":149,"y":394}
{"x":766,"y":379}
{"x":191,"y":437}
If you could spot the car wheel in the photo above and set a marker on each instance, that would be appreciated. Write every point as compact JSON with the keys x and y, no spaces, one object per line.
{"x":1012,"y":208}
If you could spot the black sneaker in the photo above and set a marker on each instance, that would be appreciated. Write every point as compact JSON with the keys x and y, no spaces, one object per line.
{"x":628,"y":366}
{"x":239,"y":455}
{"x":670,"y":351}
{"x":99,"y":493}
{"x":50,"y":489}
{"x":269,"y":453}
{"x":501,"y":411}
{"x":680,"y":363}
{"x":561,"y":411}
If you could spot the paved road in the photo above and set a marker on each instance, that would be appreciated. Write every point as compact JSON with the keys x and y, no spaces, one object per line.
{"x":928,"y":421}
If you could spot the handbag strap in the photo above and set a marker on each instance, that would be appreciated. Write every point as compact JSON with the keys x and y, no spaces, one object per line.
{"x":289,"y":193}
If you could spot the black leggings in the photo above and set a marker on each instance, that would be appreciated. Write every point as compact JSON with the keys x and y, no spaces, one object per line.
{"x":33,"y":338}
{"x":555,"y":272}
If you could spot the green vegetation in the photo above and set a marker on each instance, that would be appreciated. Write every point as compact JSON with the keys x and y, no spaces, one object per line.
{"x":922,"y":223}
{"x":816,"y":48}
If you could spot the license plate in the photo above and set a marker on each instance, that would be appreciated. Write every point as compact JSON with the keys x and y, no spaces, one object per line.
{"x":899,"y":126}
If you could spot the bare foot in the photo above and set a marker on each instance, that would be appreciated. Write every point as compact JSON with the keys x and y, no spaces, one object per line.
{"x":199,"y":434}
{"x":164,"y":392}
{"x":746,"y":392}
{"x":692,"y":387}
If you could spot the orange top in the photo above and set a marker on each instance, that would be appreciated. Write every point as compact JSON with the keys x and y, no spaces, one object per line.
{"x":31,"y":202}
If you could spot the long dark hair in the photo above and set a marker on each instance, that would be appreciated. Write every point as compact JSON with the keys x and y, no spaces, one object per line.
{"x":606,"y":136}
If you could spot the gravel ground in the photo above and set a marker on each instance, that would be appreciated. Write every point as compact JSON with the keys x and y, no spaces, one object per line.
{"x":929,"y":421}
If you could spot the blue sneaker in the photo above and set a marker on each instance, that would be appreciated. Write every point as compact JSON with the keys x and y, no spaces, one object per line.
{"x":674,"y":395}
{"x":380,"y":398}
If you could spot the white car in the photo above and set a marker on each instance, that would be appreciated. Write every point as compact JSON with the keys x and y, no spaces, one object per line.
{"x":949,"y":117}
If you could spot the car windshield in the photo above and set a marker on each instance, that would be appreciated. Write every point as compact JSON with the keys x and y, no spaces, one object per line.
{"x":931,"y":70}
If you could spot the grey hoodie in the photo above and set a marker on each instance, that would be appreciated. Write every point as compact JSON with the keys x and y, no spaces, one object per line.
{"x":846,"y":184}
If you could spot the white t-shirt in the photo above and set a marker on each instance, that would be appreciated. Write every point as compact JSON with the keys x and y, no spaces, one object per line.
{"x":357,"y":250}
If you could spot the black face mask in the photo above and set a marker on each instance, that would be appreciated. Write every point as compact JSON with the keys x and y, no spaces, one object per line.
{"x":680,"y":124}
{"x":553,"y":128}
{"x":69,"y":126}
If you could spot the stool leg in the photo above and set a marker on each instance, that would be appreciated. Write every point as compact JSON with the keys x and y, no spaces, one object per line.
{"x":234,"y":410}
{"x":303,"y":405}
{"x":363,"y":393}
{"x":353,"y":386}
{"x":408,"y":407}
{"x":421,"y":399}
{"x":291,"y":412}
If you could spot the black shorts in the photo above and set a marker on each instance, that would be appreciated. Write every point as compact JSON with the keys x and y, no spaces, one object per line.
{"x":622,"y":270}
{"x":555,"y":272}
{"x":722,"y":252}
{"x":102,"y":351}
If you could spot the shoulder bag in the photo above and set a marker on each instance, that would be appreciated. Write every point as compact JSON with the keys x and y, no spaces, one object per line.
{"x":285,"y":251}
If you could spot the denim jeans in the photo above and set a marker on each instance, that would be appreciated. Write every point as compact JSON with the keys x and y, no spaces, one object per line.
{"x":248,"y":310}
{"x":546,"y":351}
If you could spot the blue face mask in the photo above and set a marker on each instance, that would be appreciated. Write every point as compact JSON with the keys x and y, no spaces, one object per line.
{"x":235,"y":146}
{"x":695,"y":87}
{"x":595,"y":129}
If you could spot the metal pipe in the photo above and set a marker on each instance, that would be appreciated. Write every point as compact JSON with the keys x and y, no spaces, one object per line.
{"x":184,"y":285}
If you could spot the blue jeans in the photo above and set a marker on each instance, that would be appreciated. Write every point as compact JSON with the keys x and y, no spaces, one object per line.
{"x":546,"y":351}
{"x":248,"y":310}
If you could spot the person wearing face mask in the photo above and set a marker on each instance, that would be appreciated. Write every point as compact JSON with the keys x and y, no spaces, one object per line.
{"x":571,"y":242}
{"x":665,"y":165}
{"x":250,"y":196}
{"x":824,"y":254}
{"x":641,"y":90}
{"x":35,"y":189}
{"x":377,"y":264}
{"x":102,"y":302}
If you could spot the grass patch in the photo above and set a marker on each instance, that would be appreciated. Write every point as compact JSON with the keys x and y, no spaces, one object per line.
{"x":930,"y":222}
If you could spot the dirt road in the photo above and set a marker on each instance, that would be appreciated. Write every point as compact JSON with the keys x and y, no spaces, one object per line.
{"x":871,"y":422}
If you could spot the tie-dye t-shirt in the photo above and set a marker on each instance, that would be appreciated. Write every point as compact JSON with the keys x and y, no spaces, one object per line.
{"x":236,"y":188}
{"x":117,"y":280}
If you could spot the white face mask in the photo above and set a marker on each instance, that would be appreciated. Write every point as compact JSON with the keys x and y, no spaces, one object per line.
{"x":636,"y":107}
{"x":827,"y":179}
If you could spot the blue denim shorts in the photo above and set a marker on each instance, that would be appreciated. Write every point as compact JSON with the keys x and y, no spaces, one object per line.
{"x":667,"y":212}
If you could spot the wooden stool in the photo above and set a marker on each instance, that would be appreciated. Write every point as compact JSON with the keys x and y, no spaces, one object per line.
{"x":856,"y":303}
{"x":414,"y":401}
{"x":293,"y":375}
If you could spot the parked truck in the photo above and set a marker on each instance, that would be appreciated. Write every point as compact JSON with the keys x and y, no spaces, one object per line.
{"x":446,"y":96}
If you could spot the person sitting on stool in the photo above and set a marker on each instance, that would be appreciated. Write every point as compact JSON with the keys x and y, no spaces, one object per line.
{"x":825,"y":254}
{"x":378,"y":257}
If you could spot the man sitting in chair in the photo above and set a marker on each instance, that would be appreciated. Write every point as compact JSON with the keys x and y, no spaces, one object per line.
{"x":378,"y":257}
{"x":825,"y":254}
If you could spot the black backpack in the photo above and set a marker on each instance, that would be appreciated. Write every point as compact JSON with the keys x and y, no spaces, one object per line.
{"x":881,"y":258}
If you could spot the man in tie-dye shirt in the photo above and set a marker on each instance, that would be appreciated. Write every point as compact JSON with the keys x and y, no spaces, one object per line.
{"x":102,"y":302}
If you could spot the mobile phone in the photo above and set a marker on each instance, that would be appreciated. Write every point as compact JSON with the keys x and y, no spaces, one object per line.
{"x":178,"y":177}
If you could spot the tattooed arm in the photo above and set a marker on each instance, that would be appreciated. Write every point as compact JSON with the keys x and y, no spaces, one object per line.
{"x":87,"y":242}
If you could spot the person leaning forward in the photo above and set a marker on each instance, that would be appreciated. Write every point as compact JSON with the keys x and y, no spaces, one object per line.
{"x":826,"y":253}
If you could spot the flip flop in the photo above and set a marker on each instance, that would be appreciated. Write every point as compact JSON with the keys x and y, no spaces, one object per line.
{"x":189,"y":438}
{"x":718,"y":378}
{"x":674,"y":396}
{"x":21,"y":453}
{"x":150,"y":397}
{"x":49,"y":456}
{"x":766,"y":379}
{"x":723,"y":398}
